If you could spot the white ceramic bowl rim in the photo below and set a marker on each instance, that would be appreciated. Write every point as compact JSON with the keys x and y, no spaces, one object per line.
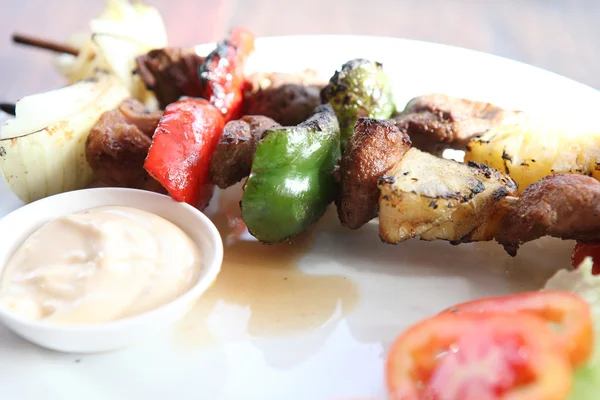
{"x":119,"y":324}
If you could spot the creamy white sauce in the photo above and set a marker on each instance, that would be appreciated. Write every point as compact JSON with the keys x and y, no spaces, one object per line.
{"x":99,"y":265}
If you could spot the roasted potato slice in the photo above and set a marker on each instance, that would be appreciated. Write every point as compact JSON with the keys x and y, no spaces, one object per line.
{"x":532,"y":149}
{"x":435,"y":198}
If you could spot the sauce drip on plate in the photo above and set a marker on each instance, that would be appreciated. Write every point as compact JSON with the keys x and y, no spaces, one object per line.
{"x":277,"y":297}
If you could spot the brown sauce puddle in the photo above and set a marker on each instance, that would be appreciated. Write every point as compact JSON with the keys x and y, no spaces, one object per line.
{"x":282,"y":298}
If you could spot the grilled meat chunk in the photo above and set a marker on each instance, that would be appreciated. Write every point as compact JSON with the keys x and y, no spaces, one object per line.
{"x":232,"y":159}
{"x":118,"y":145}
{"x":171,"y":73}
{"x":565,"y":206}
{"x":435,"y":122}
{"x":135,"y":113}
{"x":373,"y":148}
{"x":289,"y":99}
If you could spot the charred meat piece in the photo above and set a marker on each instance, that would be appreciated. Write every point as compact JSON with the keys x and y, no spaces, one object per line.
{"x":118,"y":144}
{"x":289,"y":99}
{"x":171,"y":73}
{"x":565,"y":206}
{"x":232,"y":159}
{"x":373,"y":148}
{"x":137,"y":114}
{"x":435,"y":122}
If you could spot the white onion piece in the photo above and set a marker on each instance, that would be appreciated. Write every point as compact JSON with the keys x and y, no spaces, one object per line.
{"x":40,"y":110}
{"x":123,"y":32}
{"x":42,"y":162}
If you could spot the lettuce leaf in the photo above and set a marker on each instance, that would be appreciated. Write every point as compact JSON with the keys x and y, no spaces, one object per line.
{"x":581,"y":282}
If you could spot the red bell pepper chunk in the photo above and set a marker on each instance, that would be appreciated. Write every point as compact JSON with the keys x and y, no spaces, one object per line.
{"x":182,"y":147}
{"x":222,"y":73}
{"x":243,"y":40}
{"x":587,"y":249}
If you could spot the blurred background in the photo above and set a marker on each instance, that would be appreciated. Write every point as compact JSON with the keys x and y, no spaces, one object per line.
{"x":559,"y":35}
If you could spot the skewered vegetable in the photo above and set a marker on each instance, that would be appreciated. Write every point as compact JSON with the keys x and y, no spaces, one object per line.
{"x":360,"y":89}
{"x":182,"y":147}
{"x":532,"y":149}
{"x":291,"y":183}
{"x":587,"y":249}
{"x":122,"y":32}
{"x":222,"y":73}
{"x":42,"y":150}
{"x":435,"y":198}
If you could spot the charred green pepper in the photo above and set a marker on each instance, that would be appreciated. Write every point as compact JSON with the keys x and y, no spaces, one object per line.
{"x":291,"y":183}
{"x":360,"y":89}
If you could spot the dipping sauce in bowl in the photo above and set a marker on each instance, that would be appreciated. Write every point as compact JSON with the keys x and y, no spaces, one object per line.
{"x":101,"y":269}
{"x":99,"y":265}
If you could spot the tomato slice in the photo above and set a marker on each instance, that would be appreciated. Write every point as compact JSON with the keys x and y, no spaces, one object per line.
{"x":583,"y":250}
{"x":567,"y":312}
{"x":478,"y":357}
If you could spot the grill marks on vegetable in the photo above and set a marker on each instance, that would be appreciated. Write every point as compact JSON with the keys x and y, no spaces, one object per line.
{"x":291,"y":183}
{"x":361,"y":88}
{"x":377,"y":170}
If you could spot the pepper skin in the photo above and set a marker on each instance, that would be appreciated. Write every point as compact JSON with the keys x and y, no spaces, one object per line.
{"x":182,"y":147}
{"x":222,"y":73}
{"x":291,"y":183}
{"x":360,"y":89}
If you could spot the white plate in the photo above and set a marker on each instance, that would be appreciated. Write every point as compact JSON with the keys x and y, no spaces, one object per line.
{"x":314,"y":320}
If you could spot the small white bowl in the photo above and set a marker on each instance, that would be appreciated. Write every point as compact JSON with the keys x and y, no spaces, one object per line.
{"x":94,"y":338}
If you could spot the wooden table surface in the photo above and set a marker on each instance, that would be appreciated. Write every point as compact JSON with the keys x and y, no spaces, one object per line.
{"x":559,"y":35}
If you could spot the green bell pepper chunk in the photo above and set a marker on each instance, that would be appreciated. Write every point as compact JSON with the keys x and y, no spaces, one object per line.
{"x":291,"y":183}
{"x":360,"y":89}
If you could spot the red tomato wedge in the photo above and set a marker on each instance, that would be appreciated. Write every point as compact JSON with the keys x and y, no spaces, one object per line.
{"x":478,"y":357}
{"x":583,"y":250}
{"x":570,"y":314}
{"x":182,"y":147}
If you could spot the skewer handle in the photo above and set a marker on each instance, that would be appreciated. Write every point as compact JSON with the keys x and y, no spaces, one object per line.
{"x":8,"y":108}
{"x":44,"y":44}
